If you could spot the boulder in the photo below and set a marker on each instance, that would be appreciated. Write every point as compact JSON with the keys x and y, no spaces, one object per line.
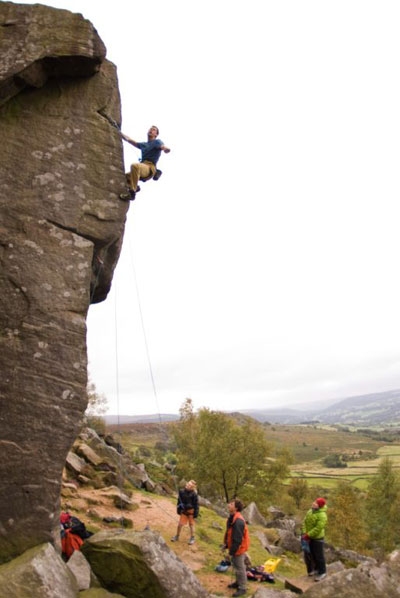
{"x":276,"y":513}
{"x":270,"y":541}
{"x":122,"y":501}
{"x":301,"y":584}
{"x":140,"y":565}
{"x":288,"y":541}
{"x":107,"y":453}
{"x":80,"y":569}
{"x":285,"y":523}
{"x":37,"y":573}
{"x":74,"y":463}
{"x":61,"y":230}
{"x":253,"y":515}
{"x":366,"y":580}
{"x":349,"y":556}
{"x":87,"y":453}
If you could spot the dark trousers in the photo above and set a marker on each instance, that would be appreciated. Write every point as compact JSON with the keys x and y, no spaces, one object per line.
{"x":317,"y":555}
{"x":309,"y":561}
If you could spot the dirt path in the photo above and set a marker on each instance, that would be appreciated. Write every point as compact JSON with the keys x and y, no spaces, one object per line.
{"x":152,"y":512}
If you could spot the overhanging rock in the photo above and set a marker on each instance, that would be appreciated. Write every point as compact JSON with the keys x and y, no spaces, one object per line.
{"x":61,"y":230}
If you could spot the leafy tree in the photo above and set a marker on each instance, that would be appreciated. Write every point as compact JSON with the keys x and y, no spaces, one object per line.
{"x":96,"y":407}
{"x":346,"y":526}
{"x":185,"y":435}
{"x":225,"y":457}
{"x":273,"y":475}
{"x":298,"y":490}
{"x":382,"y":507}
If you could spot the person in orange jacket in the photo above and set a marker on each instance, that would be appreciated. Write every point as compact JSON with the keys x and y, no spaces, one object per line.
{"x":237,"y":541}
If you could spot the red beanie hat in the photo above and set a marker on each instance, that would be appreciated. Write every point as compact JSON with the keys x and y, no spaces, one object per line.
{"x":321,"y":502}
{"x":65,"y":517}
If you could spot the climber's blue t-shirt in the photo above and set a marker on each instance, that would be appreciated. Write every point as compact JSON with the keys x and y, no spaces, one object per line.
{"x":151,"y":150}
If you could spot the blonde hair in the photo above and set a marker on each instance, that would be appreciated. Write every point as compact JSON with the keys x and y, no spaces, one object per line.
{"x":192,"y":483}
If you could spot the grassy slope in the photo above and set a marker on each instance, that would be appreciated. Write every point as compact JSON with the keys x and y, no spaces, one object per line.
{"x":308,"y":444}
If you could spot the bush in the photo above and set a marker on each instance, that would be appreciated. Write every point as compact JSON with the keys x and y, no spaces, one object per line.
{"x":334,"y":461}
{"x":97,"y":424}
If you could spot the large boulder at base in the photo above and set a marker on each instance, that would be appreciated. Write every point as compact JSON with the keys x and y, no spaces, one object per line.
{"x":140,"y":565}
{"x":61,"y":230}
{"x":38,"y":573}
{"x":367,"y":580}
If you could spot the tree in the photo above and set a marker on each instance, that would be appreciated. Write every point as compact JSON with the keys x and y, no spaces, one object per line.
{"x":277,"y":471}
{"x":298,"y":490}
{"x":334,"y":460}
{"x":185,"y":434}
{"x":224,"y":456}
{"x":382,"y":507}
{"x":96,"y":407}
{"x":346,"y":526}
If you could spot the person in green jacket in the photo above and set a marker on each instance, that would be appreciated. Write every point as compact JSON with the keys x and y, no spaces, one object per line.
{"x":312,"y":539}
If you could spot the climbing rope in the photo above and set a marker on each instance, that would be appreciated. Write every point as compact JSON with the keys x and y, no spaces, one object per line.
{"x":145,"y":336}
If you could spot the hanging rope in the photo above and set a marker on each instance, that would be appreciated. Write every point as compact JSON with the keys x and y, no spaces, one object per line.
{"x":146,"y":344}
{"x":161,"y":424}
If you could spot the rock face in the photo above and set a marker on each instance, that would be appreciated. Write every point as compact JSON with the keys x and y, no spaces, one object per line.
{"x":61,"y":229}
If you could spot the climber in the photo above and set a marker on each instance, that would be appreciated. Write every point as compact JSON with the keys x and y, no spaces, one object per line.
{"x":147,"y":167}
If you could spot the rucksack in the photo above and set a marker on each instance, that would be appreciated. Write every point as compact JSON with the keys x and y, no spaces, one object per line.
{"x":78,"y":528}
{"x":69,"y":543}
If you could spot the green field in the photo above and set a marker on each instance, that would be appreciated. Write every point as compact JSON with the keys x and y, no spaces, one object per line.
{"x":358,"y":473}
{"x":308,"y":444}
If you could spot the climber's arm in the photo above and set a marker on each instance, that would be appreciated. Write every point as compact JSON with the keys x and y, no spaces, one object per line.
{"x":129,"y":140}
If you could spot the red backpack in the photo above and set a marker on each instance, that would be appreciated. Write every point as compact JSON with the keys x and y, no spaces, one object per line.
{"x":69,"y":543}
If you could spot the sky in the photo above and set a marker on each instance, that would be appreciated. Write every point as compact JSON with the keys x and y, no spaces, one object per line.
{"x":261,"y":270}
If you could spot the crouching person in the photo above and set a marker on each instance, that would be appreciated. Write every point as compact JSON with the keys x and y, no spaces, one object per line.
{"x":237,"y":541}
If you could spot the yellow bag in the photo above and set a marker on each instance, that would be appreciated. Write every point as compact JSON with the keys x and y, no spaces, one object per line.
{"x":271,"y":564}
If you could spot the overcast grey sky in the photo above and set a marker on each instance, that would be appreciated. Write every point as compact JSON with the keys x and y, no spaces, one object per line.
{"x":266,"y":257}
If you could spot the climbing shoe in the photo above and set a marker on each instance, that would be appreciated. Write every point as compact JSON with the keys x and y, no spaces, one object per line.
{"x":192,"y":540}
{"x":233,"y":585}
{"x":157,"y":175}
{"x":239,"y":593}
{"x":175,"y":539}
{"x":128,"y":196}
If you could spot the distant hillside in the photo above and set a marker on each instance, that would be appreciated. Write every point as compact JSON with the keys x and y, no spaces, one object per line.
{"x":381,"y":408}
{"x":113,"y":420}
